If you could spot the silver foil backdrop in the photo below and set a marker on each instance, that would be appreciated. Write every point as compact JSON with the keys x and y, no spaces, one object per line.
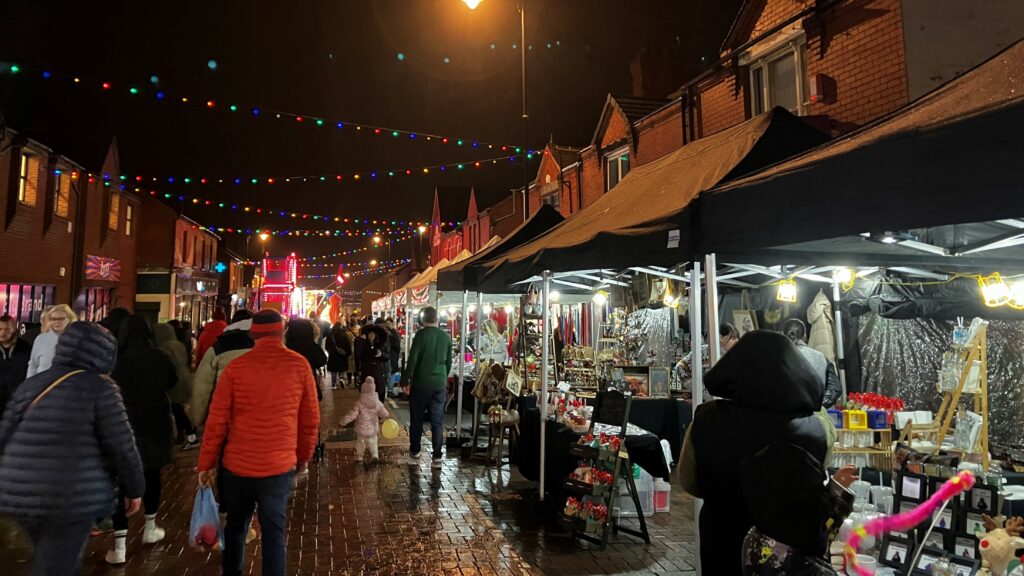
{"x":902,"y":358}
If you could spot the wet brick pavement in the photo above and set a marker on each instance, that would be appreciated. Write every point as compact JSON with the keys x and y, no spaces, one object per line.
{"x":393,"y":519}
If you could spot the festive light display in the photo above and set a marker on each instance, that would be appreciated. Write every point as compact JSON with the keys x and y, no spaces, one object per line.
{"x":312,"y":233}
{"x":254,"y":111}
{"x":364,"y":176}
{"x":333,"y":266}
{"x":381,"y":267}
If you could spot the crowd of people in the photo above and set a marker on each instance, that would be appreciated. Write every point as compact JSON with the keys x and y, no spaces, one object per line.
{"x":106,"y":403}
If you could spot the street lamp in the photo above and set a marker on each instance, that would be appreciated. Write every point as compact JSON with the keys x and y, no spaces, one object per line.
{"x":472,"y":4}
{"x":264,"y":236}
{"x":423,"y":229}
{"x":376,"y":239}
{"x":373,"y":262}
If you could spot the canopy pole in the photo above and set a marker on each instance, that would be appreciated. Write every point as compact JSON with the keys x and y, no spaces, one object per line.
{"x":544,"y":357}
{"x":464,"y":331}
{"x":711,"y":285}
{"x":838,"y":327}
{"x":697,"y":381}
{"x":479,"y":324}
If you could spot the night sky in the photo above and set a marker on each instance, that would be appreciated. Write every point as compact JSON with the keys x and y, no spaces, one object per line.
{"x":337,"y":60}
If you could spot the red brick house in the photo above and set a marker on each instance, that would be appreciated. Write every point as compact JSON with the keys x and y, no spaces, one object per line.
{"x":461,"y":204}
{"x":68,"y":236}
{"x":839,"y":63}
{"x":558,"y":180}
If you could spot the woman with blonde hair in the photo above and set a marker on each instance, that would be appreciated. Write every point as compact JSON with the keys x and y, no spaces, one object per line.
{"x":60,"y":317}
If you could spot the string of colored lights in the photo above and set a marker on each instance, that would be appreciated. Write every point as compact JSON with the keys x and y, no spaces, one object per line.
{"x":201,"y":201}
{"x":254,"y":111}
{"x":313,"y":233}
{"x":344,"y":265}
{"x":354,"y":250}
{"x":363,"y":176}
{"x":372,"y":270}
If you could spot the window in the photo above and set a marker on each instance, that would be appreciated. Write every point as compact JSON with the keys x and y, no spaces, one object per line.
{"x":182,"y":251}
{"x":552,"y":200}
{"x":61,"y":194}
{"x":115,"y":210}
{"x":779,"y":79}
{"x":616,"y":167}
{"x":128,"y":214}
{"x":28,"y":179}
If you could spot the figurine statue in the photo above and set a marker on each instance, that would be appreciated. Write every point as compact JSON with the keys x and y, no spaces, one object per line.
{"x":998,"y":545}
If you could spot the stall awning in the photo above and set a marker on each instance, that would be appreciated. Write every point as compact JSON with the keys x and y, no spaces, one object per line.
{"x":953,"y":156}
{"x":643,"y":220}
{"x":466,"y":275}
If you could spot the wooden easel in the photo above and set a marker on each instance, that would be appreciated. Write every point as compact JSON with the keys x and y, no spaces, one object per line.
{"x":975,"y":350}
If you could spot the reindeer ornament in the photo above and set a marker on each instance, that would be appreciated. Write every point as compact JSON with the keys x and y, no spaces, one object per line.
{"x":998,"y":545}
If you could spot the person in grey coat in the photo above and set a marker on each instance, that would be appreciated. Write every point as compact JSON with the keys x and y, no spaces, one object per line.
{"x":62,"y":444}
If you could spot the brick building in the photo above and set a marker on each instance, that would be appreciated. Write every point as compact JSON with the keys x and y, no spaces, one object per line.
{"x":68,"y":236}
{"x":177,"y":275}
{"x":461,"y":204}
{"x":840,"y":64}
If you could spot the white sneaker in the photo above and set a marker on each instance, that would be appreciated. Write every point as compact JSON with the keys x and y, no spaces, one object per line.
{"x":115,"y":556}
{"x":412,"y":460}
{"x":152,"y":535}
{"x":437,"y":463}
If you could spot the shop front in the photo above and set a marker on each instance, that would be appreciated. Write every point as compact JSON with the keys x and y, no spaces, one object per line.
{"x":99,"y":290}
{"x":25,"y":302}
{"x":195,"y":296}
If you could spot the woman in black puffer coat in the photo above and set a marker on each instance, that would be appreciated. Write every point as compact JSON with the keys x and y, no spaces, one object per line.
{"x":145,"y":375}
{"x":57,"y":459}
{"x":300,"y":338}
{"x":376,"y":358}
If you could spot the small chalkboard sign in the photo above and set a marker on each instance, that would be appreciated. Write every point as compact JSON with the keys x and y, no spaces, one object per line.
{"x":612,"y":408}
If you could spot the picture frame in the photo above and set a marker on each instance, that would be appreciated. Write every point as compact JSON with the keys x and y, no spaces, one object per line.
{"x":973,"y":523}
{"x":982,"y":498}
{"x":639,"y":380}
{"x":514,"y":382}
{"x":744,"y":321}
{"x":964,"y":566}
{"x":660,"y":379}
{"x":965,"y":545}
{"x":949,"y":517}
{"x":938,"y":538}
{"x":912,"y":487}
{"x":928,"y":555}
{"x":895,"y":551}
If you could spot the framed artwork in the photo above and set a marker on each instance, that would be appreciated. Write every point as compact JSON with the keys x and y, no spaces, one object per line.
{"x":895,"y":551}
{"x":659,"y":382}
{"x":974,"y":524}
{"x":965,"y":546}
{"x":639,"y":380}
{"x":964,"y":566}
{"x":929,"y":555}
{"x":937,"y":538}
{"x":744,"y":321}
{"x":912,"y":487}
{"x":514,"y":382}
{"x":946,"y":519}
{"x":982,"y":498}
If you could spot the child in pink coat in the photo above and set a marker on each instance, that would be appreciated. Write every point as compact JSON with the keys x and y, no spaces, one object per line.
{"x":367,"y":413}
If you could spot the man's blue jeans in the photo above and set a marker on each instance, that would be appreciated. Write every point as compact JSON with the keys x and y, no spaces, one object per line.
{"x":419,"y":402}
{"x":239,"y":497}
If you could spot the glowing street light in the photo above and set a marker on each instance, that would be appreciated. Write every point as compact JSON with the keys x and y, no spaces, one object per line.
{"x":264,"y":236}
{"x":373,"y":262}
{"x":422,"y":229}
{"x":376,"y":239}
{"x":472,"y":3}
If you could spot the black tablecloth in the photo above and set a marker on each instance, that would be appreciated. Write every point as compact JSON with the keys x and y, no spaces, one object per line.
{"x":665,"y":418}
{"x":644,"y":451}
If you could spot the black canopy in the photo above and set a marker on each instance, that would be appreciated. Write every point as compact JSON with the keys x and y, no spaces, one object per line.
{"x":644,"y":219}
{"x":954,"y":156}
{"x":466,"y":275}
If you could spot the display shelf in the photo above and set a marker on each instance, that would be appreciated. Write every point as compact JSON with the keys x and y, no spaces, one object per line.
{"x":591,"y":453}
{"x":586,"y":488}
{"x":593,"y":527}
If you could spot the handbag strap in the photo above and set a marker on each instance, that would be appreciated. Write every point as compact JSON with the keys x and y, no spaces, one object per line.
{"x":50,"y":388}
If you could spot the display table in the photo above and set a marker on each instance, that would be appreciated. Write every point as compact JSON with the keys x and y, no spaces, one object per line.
{"x":644,"y":450}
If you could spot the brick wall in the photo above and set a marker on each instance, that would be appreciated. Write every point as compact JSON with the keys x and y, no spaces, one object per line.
{"x":593,"y":176}
{"x":659,"y":134}
{"x":35,"y":244}
{"x":861,"y":48}
{"x":101,"y":241}
{"x":616,"y":129}
{"x":721,"y":106}
{"x":156,"y":230}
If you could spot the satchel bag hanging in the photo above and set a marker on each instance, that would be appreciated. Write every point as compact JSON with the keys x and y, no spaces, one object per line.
{"x":36,"y":400}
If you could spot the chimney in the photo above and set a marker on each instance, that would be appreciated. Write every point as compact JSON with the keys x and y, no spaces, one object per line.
{"x":654,"y":73}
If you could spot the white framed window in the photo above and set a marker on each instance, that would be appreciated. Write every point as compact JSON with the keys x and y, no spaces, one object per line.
{"x":779,"y":78}
{"x":28,"y":179}
{"x":616,"y":166}
{"x":61,"y":193}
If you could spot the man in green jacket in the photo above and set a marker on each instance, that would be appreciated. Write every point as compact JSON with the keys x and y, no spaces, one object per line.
{"x":423,"y":380}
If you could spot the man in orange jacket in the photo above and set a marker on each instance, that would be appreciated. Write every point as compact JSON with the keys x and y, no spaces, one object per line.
{"x":268,"y":397}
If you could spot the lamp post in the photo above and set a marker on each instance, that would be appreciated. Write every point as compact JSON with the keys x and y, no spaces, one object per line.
{"x":263,"y":252}
{"x":472,"y":4}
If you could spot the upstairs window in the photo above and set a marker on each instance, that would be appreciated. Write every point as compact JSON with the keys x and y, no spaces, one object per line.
{"x":779,"y":78}
{"x":616,"y":166}
{"x":129,"y":214}
{"x":28,"y":179}
{"x":553,"y":200}
{"x":114,"y":212}
{"x":61,"y":194}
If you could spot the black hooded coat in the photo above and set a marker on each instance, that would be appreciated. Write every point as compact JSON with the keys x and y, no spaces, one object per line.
{"x":299,"y":338}
{"x":145,"y":375}
{"x":60,"y":458}
{"x":769,"y":403}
